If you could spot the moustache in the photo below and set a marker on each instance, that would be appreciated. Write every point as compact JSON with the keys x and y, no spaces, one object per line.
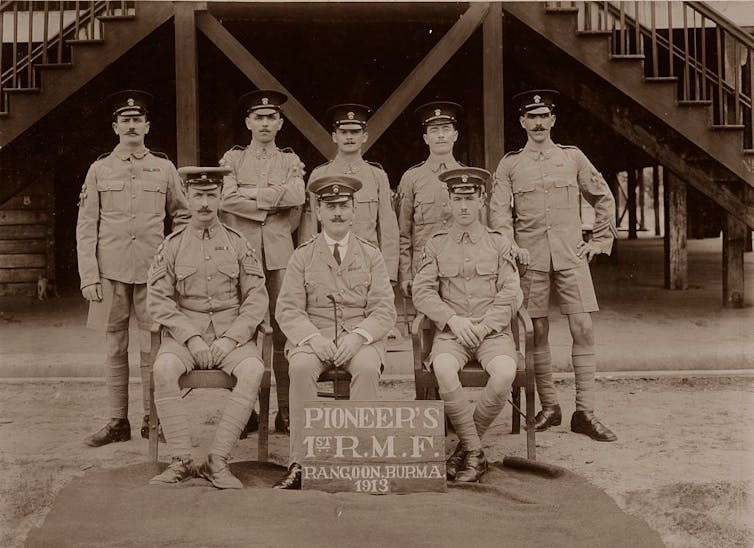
{"x":539,"y":128}
{"x":204,"y":210}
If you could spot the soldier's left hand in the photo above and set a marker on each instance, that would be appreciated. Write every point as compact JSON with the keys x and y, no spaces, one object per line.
{"x":347,"y":348}
{"x":588,"y":250}
{"x":481,"y":330}
{"x":221,"y":348}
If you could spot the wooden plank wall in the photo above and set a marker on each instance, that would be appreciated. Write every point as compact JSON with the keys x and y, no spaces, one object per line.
{"x":27,"y":239}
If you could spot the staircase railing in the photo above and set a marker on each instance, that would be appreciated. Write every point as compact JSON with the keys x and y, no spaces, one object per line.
{"x":37,"y":33}
{"x":710,"y":56}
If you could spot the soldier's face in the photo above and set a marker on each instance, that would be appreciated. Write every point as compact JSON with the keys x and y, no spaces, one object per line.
{"x":131,"y":129}
{"x":465,"y":208}
{"x":538,"y":126}
{"x":264,"y":127}
{"x":203,"y":204}
{"x":349,"y":139}
{"x":336,"y":218}
{"x":440,"y":138}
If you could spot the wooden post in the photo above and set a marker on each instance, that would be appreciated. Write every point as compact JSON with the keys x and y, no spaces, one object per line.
{"x":631,"y":203}
{"x":656,"y":196}
{"x":676,"y":253}
{"x":616,"y":194}
{"x":186,"y":84}
{"x":734,"y":242}
{"x":640,"y":190}
{"x":492,"y":100}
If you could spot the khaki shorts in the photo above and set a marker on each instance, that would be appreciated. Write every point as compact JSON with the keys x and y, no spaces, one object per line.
{"x":171,"y":346}
{"x":500,"y":344}
{"x":119,"y":301}
{"x":573,"y":288}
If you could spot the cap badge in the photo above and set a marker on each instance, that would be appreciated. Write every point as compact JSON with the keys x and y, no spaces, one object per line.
{"x":130,"y":102}
{"x":336,"y":189}
{"x":350,"y":115}
{"x":537,"y":99}
{"x":465,"y":178}
{"x":204,"y":175}
{"x":265,"y":101}
{"x":437,"y":112}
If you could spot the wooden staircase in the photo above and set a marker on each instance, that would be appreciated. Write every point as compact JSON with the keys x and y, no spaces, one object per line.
{"x":690,"y":109}
{"x":56,"y":52}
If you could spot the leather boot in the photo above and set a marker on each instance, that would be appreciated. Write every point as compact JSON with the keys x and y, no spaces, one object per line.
{"x":292,"y":478}
{"x":252,"y":425}
{"x":282,"y":421}
{"x":584,"y":422}
{"x":455,"y":461}
{"x":179,"y":470}
{"x":115,"y":430}
{"x":474,"y":466}
{"x":145,"y":429}
{"x":216,"y":471}
{"x":547,"y":417}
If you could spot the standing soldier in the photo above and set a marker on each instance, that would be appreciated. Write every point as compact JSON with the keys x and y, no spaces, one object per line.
{"x":262,"y":199}
{"x":468,"y":285}
{"x":543,"y":182}
{"x":206,"y":288}
{"x":423,"y":199}
{"x":121,"y":223}
{"x":374,"y":217}
{"x":337,"y":269}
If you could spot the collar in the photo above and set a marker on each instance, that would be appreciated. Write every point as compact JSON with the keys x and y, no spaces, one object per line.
{"x":124,"y":153}
{"x":535,"y":153}
{"x":260,"y":151}
{"x":474,"y":231}
{"x":341,"y":243}
{"x":438,"y":164}
{"x":213,"y":229}
{"x":349,"y":167}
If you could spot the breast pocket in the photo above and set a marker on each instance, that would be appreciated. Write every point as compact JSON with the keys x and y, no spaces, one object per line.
{"x":524,"y":197}
{"x":359,"y":282}
{"x":228,"y":279}
{"x":113,"y":195}
{"x":566,"y":194}
{"x":366,"y":208}
{"x":487,"y":274}
{"x":183,"y":275}
{"x":315,"y":290}
{"x":155,"y":188}
{"x":447,"y":272}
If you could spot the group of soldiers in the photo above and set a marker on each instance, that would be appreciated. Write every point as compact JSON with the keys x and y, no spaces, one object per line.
{"x":466,"y":259}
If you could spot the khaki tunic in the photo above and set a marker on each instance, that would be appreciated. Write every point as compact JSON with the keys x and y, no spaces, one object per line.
{"x":422,"y":210}
{"x":267,"y":221}
{"x":545,"y":188}
{"x":468,"y":271}
{"x":121,"y":220}
{"x":374,"y":219}
{"x":360,"y":284}
{"x":199,"y":278}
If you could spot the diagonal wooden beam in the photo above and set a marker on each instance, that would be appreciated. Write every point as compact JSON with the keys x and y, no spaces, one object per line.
{"x":263,"y":79}
{"x":426,"y":70}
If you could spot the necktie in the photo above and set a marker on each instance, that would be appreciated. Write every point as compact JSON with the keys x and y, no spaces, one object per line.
{"x":336,"y":253}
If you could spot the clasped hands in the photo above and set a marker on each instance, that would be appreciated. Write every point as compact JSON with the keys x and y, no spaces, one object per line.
{"x":209,"y":356}
{"x":470,"y":334}
{"x":339,"y":355}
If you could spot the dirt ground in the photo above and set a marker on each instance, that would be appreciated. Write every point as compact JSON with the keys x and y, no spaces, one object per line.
{"x":684,"y":460}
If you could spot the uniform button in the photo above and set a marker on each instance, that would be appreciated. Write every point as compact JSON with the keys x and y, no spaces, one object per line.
{"x":467,"y":278}
{"x":342,"y":290}
{"x":133,"y":177}
{"x":548,"y":209}
{"x":340,"y":273}
{"x":467,"y":259}
{"x":206,"y":258}
{"x":547,"y":191}
{"x":548,"y":227}
{"x":210,"y":312}
{"x":445,"y":203}
{"x":262,"y":224}
{"x":133,"y":237}
{"x":133,"y":195}
{"x":133,"y":216}
{"x":209,"y":278}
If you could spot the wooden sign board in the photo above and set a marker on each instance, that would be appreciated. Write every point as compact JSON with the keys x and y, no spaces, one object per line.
{"x":374,"y":447}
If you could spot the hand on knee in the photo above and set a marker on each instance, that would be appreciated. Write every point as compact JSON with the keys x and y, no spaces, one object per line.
{"x":446,"y":368}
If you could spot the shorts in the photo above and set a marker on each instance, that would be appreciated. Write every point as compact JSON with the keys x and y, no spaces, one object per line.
{"x":573,"y":288}
{"x":171,"y":346}
{"x":499,"y":344}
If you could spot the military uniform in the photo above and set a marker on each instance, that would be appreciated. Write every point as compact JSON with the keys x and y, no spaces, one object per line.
{"x":206,"y":281}
{"x":268,"y":220}
{"x":121,"y":223}
{"x":542,"y":183}
{"x":467,"y":275}
{"x":364,"y":297}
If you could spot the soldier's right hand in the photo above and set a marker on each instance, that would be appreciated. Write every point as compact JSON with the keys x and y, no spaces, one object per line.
{"x":464,"y":330}
{"x":521,"y":255}
{"x":92,"y":292}
{"x":406,"y":288}
{"x":200,"y":351}
{"x":323,"y":348}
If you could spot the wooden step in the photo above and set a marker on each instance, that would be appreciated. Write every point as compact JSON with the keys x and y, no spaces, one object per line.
{"x":627,"y":56}
{"x":116,"y":17}
{"x":53,"y":66}
{"x":727,"y":127}
{"x":601,"y":33}
{"x":661,"y":79}
{"x":561,"y":9}
{"x":20,"y":91}
{"x":695,"y":103}
{"x":94,"y":42}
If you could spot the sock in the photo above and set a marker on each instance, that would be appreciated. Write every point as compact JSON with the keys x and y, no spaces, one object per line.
{"x":584,"y":368}
{"x":543,"y":376}
{"x":234,"y":419}
{"x":174,"y":423}
{"x":459,"y":411}
{"x":489,"y":405}
{"x":116,"y":373}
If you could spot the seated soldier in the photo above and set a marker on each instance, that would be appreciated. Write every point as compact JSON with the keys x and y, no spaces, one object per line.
{"x":206,"y":288}
{"x":337,"y":269}
{"x":466,"y":284}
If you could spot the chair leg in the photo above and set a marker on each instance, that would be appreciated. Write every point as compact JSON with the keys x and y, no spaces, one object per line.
{"x":516,"y":410}
{"x":264,"y":418}
{"x":153,"y":432}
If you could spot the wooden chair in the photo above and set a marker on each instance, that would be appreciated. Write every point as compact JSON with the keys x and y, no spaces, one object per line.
{"x":472,"y":375}
{"x":215,"y":378}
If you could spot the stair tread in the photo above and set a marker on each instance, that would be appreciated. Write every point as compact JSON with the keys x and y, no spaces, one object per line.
{"x":21,"y":90}
{"x":724,"y":127}
{"x":629,"y":56}
{"x":659,"y":79}
{"x":748,"y":151}
{"x":694,"y":103}
{"x":595,"y":32}
{"x":566,"y":9}
{"x":116,"y":17}
{"x":77,"y":42}
{"x":53,"y":65}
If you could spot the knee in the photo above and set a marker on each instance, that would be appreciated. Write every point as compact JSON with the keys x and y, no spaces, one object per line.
{"x":502,"y":371}
{"x":167,"y":369}
{"x":302,"y":366}
{"x":541,"y":331}
{"x":445,"y":367}
{"x":248,"y":374}
{"x":581,"y":329}
{"x":117,"y":344}
{"x":365,"y":365}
